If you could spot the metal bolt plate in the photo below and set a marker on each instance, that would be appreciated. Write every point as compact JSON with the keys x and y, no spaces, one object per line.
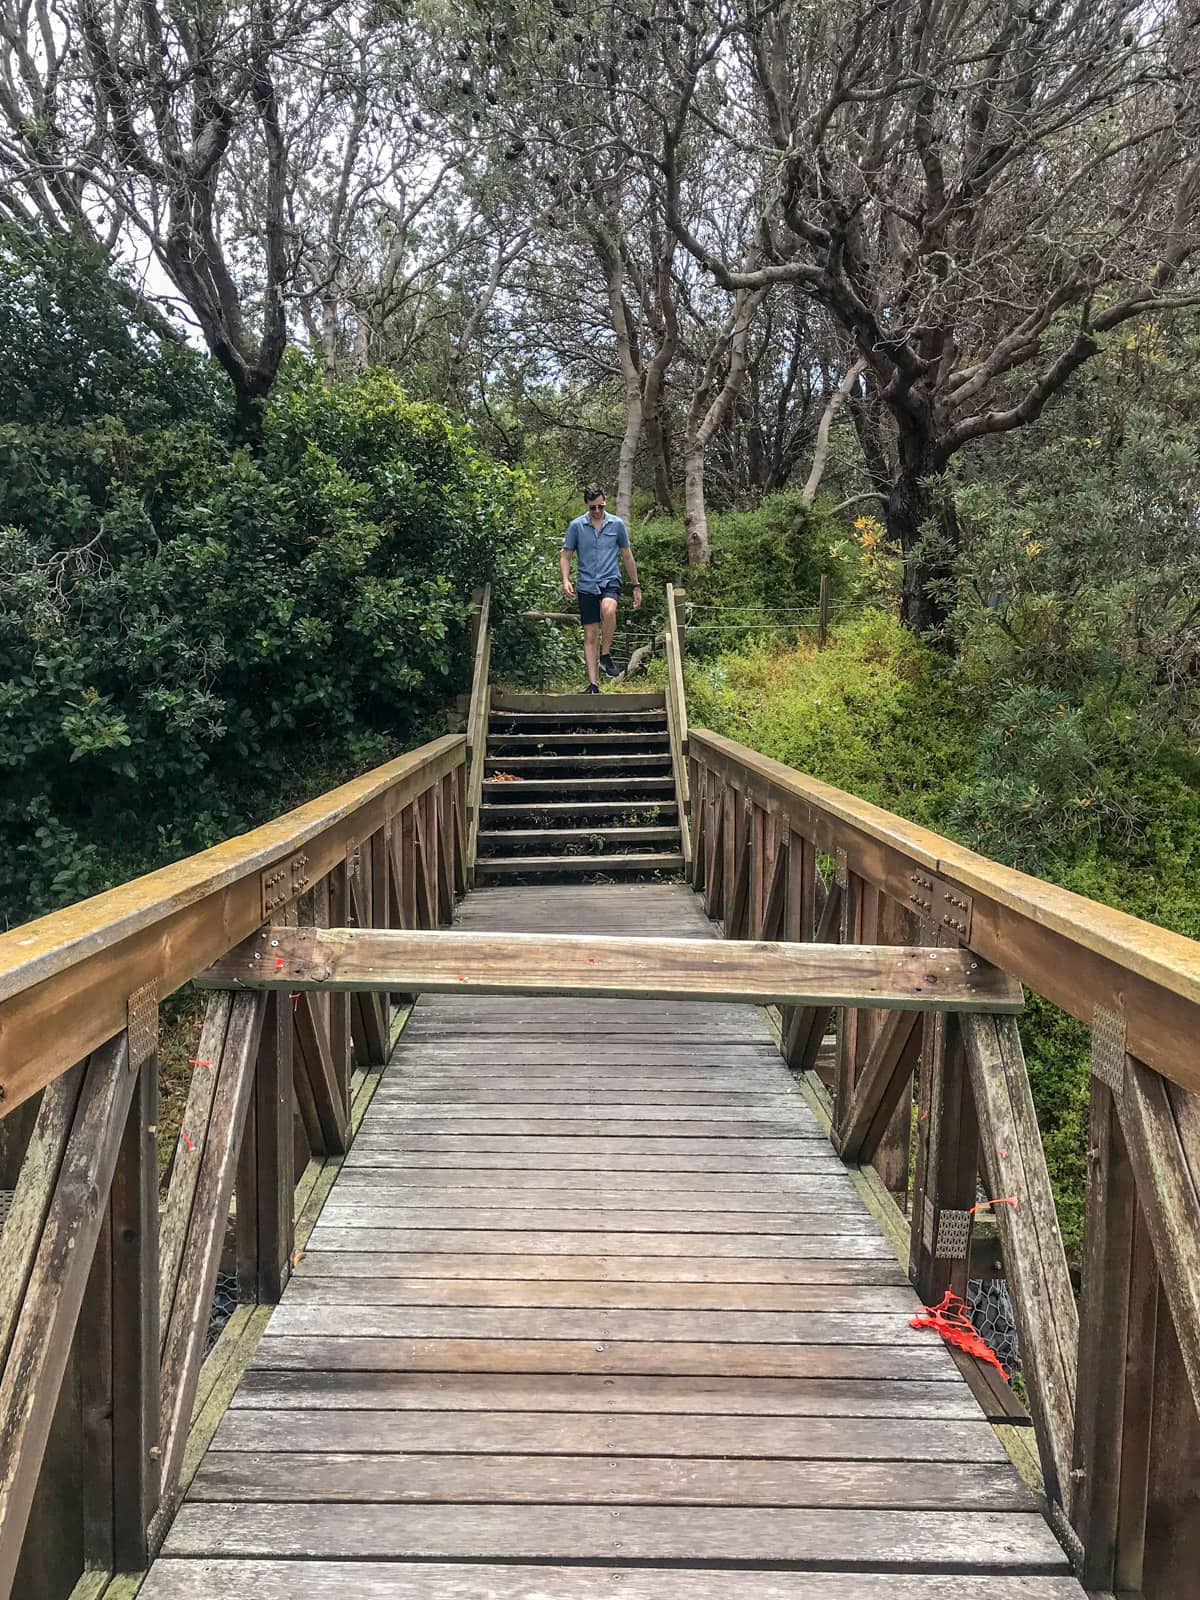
{"x":142,"y":1025}
{"x":1108,"y":1048}
{"x":927,"y":1224}
{"x":283,"y":882}
{"x":953,"y":1235}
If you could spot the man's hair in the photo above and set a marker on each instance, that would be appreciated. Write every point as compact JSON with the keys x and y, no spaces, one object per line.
{"x":592,"y":490}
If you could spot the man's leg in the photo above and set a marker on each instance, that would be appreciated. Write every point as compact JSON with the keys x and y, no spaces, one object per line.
{"x":608,"y":623}
{"x":591,"y":650}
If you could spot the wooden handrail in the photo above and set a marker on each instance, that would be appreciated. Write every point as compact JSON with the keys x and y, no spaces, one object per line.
{"x":677,"y":723}
{"x":477,"y":725}
{"x":1073,"y":951}
{"x":65,"y":979}
{"x":943,"y":1110}
{"x":91,"y":1279}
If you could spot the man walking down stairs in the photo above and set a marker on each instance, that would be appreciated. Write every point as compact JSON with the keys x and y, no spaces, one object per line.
{"x":575,"y":786}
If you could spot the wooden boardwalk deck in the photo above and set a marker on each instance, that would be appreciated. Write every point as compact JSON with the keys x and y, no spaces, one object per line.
{"x":594,"y":1313}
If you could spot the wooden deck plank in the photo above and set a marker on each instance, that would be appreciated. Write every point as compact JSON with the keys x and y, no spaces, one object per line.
{"x":361,"y":1211}
{"x":338,"y":1580}
{"x":960,"y":1541}
{"x":469,"y":1266}
{"x":682,"y":1359}
{"x":846,"y":1299}
{"x":472,"y":1478}
{"x":589,"y":1266}
{"x":611,"y":1325}
{"x":585,"y":1434}
{"x":500,"y":1241}
{"x":724,"y":1395}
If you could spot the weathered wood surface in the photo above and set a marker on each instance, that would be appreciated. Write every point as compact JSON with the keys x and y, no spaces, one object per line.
{"x":337,"y":1580}
{"x":590,"y":1266}
{"x":65,"y":978}
{"x":911,"y":978}
{"x":1074,"y":951}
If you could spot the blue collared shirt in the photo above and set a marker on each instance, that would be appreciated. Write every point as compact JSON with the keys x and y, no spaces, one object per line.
{"x":596,"y":551}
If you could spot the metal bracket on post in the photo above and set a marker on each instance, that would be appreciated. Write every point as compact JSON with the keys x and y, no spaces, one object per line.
{"x":953,"y":1235}
{"x":1108,"y":1048}
{"x":141,"y":1010}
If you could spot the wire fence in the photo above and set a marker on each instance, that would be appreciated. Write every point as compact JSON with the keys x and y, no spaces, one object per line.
{"x":992,"y":1313}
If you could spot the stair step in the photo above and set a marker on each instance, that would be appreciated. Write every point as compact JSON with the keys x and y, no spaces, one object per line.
{"x":518,"y":721}
{"x":577,"y":808}
{"x":512,"y":837}
{"x":576,"y":741}
{"x":581,"y":764}
{"x":502,"y":700}
{"x":512,"y":866}
{"x":557,"y":787}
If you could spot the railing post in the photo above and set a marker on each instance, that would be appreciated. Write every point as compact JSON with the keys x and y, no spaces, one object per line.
{"x":266,"y":1180}
{"x":947,"y":1148}
{"x":823,"y":613}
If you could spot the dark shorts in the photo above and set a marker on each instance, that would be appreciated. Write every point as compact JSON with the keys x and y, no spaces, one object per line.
{"x":589,"y":604}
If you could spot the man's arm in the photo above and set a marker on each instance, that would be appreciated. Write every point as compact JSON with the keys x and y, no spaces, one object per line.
{"x":630,"y":566}
{"x":564,"y":564}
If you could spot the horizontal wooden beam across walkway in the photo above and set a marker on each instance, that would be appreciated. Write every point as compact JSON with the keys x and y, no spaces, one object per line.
{"x":903,"y":977}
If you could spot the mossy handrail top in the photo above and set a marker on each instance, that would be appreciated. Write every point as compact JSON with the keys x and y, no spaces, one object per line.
{"x":1169,"y":958}
{"x":1074,"y":951}
{"x":70,"y":972}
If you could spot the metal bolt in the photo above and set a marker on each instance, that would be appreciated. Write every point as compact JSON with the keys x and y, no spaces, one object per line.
{"x":274,"y":944}
{"x":258,"y":955}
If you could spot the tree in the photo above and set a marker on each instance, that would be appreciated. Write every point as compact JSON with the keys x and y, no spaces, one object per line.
{"x":977,"y":195}
{"x":194,"y":131}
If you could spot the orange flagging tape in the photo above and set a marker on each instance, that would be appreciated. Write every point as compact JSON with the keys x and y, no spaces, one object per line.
{"x":505,"y":777}
{"x":951,"y":1318}
{"x":986,"y":1205}
{"x":193,"y":1061}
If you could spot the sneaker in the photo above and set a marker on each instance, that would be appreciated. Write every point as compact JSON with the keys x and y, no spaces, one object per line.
{"x":607,"y":668}
{"x":592,"y":688}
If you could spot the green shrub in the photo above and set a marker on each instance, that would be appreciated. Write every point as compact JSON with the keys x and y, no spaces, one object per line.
{"x":192,"y":636}
{"x":766,"y":564}
{"x":1105,"y":807}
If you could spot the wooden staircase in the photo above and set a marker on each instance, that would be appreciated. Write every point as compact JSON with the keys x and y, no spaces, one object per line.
{"x":577,"y":785}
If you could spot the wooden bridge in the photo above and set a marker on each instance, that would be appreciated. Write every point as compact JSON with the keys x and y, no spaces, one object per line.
{"x":583,"y":1152}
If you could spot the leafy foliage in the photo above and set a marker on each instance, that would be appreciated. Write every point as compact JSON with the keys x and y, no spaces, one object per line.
{"x":880,"y":714}
{"x":191,"y":636}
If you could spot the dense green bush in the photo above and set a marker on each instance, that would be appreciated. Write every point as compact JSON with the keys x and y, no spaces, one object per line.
{"x":192,"y":636}
{"x":766,"y":566}
{"x":880,"y":714}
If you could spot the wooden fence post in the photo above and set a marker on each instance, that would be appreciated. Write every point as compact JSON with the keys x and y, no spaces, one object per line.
{"x":823,"y":613}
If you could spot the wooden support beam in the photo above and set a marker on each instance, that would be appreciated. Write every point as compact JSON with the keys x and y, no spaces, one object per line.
{"x":1115,"y":1366}
{"x":806,"y":1025}
{"x":266,"y":1170}
{"x":366,"y":959}
{"x":947,"y":1152}
{"x":71,"y":1198}
{"x":1161,"y":1124}
{"x":187,"y":1326}
{"x":886,"y":1074}
{"x":368,"y":1012}
{"x":317,"y":1064}
{"x":1035,"y":1262}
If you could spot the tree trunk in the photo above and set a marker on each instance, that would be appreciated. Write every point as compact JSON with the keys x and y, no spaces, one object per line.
{"x":626,"y":459}
{"x":923,"y":525}
{"x":695,"y":516}
{"x":656,"y":443}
